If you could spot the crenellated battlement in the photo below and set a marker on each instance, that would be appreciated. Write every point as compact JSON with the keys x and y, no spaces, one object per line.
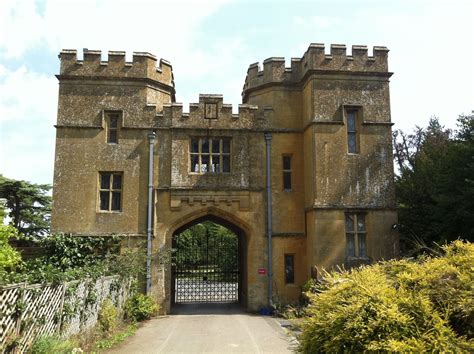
{"x":315,"y":59}
{"x":210,"y":112}
{"x":142,"y":66}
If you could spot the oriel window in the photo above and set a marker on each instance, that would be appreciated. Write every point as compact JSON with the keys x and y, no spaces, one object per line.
{"x":287,"y":172}
{"x":110,"y":191}
{"x":210,"y":155}
{"x":356,"y":235}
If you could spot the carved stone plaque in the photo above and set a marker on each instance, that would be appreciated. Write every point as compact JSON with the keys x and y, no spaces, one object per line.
{"x":210,"y":110}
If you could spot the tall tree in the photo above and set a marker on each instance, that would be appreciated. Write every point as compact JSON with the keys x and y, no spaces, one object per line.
{"x":435,"y":187}
{"x":28,"y":204}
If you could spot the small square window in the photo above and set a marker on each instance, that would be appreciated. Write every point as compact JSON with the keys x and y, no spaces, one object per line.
{"x":110,"y":191}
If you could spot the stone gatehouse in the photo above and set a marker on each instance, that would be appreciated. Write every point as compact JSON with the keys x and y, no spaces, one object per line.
{"x":325,"y":122}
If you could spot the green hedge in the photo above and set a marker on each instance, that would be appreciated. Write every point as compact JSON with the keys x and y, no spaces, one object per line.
{"x":395,"y":306}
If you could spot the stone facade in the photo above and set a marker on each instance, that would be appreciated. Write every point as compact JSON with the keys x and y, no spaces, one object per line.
{"x":329,"y":118}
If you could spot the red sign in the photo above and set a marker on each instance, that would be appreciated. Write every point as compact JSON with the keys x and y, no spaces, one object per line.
{"x":262,"y":271}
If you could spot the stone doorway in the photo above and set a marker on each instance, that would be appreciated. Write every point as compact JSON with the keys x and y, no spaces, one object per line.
{"x":207,"y":263}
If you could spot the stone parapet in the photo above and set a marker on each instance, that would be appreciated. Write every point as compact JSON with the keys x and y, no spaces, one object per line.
{"x":210,"y":112}
{"x":315,"y":59}
{"x":143,"y":66}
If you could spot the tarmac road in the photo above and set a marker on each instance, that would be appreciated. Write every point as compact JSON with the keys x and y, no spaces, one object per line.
{"x":208,"y":329}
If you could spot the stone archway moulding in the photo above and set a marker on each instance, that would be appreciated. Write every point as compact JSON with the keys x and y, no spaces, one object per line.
{"x":209,"y":211}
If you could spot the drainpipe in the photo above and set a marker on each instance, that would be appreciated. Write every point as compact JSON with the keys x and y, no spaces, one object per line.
{"x":149,"y":229}
{"x":268,"y":142}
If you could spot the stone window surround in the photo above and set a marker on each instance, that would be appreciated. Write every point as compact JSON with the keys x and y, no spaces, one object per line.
{"x":112,"y":190}
{"x":356,"y":234}
{"x":355,"y":131}
{"x":211,"y":154}
{"x":112,"y":132}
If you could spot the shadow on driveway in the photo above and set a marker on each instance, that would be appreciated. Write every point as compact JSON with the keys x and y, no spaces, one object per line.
{"x":220,"y":308}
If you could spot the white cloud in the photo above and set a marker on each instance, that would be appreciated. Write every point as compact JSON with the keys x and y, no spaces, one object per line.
{"x":316,"y":22}
{"x":21,"y":27}
{"x":25,"y":94}
{"x":28,"y":103}
{"x":106,"y":24}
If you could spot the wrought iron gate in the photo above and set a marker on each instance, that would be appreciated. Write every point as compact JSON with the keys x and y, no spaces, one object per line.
{"x":206,"y":267}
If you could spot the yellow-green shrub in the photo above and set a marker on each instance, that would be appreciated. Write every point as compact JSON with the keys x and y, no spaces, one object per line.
{"x":140,"y":307}
{"x":108,"y":316}
{"x":9,"y":257}
{"x":396,"y":306}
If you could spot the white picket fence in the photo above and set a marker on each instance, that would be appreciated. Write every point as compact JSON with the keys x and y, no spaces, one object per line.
{"x":31,"y":311}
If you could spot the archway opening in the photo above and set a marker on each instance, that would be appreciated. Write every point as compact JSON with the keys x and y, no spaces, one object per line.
{"x":208,"y":262}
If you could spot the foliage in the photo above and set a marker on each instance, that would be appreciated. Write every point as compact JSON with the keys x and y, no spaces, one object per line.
{"x":66,"y":251}
{"x":9,"y":257}
{"x":435,"y":182}
{"x":2,"y":209}
{"x":193,"y":244}
{"x":71,"y":258}
{"x":29,"y":205}
{"x":108,"y":316}
{"x":116,"y":338}
{"x":396,"y":306}
{"x":140,"y":307}
{"x":51,"y":344}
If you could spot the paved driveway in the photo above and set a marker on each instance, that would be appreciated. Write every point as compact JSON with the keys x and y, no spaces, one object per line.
{"x":208,"y":329}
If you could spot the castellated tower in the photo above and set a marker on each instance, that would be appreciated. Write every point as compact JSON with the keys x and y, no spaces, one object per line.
{"x":324,"y":124}
{"x":99,"y":99}
{"x":333,"y":116}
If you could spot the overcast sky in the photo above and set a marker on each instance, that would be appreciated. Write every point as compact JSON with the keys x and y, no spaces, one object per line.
{"x":210,"y":45}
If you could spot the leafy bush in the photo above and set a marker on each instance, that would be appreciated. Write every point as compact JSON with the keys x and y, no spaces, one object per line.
{"x":69,"y":257}
{"x":67,"y":251}
{"x":9,"y":257}
{"x":108,"y":316}
{"x":140,"y":307}
{"x":396,"y":306}
{"x":49,"y":344}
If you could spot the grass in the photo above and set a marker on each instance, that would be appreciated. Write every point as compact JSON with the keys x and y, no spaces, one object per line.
{"x":115,"y":338}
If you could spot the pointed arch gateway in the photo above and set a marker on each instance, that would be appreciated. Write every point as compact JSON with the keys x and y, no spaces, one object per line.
{"x":209,"y":261}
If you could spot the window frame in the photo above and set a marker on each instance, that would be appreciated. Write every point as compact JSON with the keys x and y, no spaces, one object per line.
{"x":357,"y":111}
{"x":110,"y":190}
{"x":358,"y":235}
{"x":287,"y":172}
{"x":108,"y":115}
{"x":291,"y":280}
{"x":210,"y":154}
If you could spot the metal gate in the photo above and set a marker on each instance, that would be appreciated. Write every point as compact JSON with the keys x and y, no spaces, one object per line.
{"x":206,"y":266}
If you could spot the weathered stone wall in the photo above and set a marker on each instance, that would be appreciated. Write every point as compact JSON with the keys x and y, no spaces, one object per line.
{"x":87,"y":90}
{"x":80,"y":155}
{"x":327,"y":247}
{"x":295,"y":246}
{"x":304,"y":107}
{"x":309,"y":104}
